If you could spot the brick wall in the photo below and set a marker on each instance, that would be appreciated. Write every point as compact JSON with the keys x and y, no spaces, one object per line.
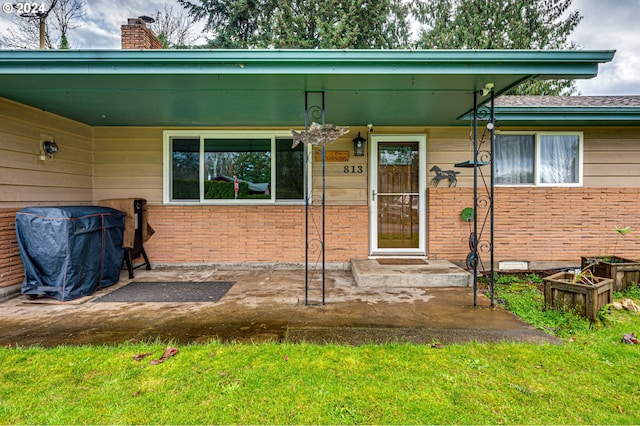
{"x":211,"y":234}
{"x":532,"y":224}
{"x":136,"y":35}
{"x":208,"y":234}
{"x":11,"y":269}
{"x":539,"y":224}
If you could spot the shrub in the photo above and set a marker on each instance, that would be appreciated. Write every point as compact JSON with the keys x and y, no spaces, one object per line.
{"x":222,"y":190}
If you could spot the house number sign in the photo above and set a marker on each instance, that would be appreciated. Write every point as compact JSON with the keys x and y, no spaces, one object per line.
{"x":353,"y":169}
{"x":340,"y":157}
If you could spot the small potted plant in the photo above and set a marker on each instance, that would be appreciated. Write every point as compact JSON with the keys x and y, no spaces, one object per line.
{"x":467,"y":215}
{"x":622,"y":271}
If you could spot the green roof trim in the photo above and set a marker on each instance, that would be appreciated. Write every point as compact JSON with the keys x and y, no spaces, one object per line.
{"x":578,"y":63}
{"x":568,"y":110}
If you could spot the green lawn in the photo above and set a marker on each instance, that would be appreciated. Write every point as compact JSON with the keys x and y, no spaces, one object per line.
{"x":591,"y":378}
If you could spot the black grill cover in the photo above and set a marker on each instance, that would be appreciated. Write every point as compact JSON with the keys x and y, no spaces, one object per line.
{"x":69,"y":252}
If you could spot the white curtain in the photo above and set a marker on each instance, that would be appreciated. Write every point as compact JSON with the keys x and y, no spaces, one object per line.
{"x":513,"y":158}
{"x":559,"y":158}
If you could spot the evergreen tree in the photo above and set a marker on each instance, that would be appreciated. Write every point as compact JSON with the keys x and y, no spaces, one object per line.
{"x":385,"y":24}
{"x":499,"y":24}
{"x":342,"y":24}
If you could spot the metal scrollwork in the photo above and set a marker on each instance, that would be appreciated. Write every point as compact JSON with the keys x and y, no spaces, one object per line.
{"x":484,"y":156}
{"x":314,"y":211}
{"x":315,"y":113}
{"x":481,"y":237}
{"x":483,"y":202}
{"x":483,"y":113}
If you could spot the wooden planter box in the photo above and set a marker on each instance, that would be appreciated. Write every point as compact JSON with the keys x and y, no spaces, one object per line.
{"x":623,"y":272}
{"x":560,"y":292}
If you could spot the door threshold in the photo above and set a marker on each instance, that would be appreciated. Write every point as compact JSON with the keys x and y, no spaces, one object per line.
{"x":404,"y":256}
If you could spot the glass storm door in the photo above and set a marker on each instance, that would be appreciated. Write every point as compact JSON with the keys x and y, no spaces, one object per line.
{"x":398,"y":189}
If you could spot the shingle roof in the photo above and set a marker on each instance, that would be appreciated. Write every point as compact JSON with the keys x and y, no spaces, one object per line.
{"x":568,"y":101}
{"x":568,"y":110}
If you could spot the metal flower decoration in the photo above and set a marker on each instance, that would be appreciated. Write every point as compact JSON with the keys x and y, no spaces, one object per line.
{"x":318,"y":134}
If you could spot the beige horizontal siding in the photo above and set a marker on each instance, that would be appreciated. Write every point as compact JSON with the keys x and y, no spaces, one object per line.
{"x":612,"y":157}
{"x":26,"y":179}
{"x":22,"y":195}
{"x":445,"y":148}
{"x":341,"y":186}
{"x":128,"y":163}
{"x":46,"y":179}
{"x":107,"y":162}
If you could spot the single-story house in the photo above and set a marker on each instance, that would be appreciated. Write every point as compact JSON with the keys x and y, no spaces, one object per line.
{"x":163,"y":124}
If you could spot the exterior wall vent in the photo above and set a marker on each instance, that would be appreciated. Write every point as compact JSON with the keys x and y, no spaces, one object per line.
{"x":514,"y":265}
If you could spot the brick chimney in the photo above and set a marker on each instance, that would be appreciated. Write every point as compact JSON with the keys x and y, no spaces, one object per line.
{"x":136,"y":35}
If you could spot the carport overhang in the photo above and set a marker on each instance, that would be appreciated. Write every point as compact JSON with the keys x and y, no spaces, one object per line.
{"x":174,"y":88}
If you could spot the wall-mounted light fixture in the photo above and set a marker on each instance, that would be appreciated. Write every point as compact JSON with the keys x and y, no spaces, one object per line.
{"x":487,"y":89}
{"x":49,"y":147}
{"x":358,"y":146}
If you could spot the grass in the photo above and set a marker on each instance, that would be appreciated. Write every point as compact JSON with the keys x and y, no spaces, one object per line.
{"x":591,"y":378}
{"x":522,"y":296}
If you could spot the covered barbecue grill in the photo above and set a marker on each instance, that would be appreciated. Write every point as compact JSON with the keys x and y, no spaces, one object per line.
{"x":69,"y":252}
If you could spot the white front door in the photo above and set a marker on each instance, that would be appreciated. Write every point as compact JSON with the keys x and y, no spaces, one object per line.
{"x":398,"y":195}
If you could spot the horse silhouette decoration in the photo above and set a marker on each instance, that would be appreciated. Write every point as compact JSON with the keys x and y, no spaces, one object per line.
{"x":451,"y":175}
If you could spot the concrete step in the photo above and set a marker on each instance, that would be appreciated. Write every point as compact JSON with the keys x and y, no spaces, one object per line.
{"x":408,"y":272}
{"x":9,"y":292}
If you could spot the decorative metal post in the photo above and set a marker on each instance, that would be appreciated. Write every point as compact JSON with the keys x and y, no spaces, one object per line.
{"x":482,"y":200}
{"x":476,"y":255}
{"x":492,"y":134}
{"x":317,"y":135}
{"x":314,"y":219}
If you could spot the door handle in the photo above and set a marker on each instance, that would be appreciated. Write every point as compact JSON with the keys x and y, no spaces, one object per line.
{"x":373,"y":194}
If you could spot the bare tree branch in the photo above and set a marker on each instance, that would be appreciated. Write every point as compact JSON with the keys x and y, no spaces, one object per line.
{"x":60,"y":17}
{"x":174,"y":29}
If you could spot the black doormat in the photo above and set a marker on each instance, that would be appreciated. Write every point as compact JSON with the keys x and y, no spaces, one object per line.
{"x":138,"y":291}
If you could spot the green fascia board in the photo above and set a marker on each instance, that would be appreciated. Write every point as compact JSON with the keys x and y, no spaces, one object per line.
{"x":567,"y":115}
{"x":538,"y":64}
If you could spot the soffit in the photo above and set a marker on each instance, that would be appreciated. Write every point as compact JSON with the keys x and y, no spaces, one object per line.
{"x":173,"y":88}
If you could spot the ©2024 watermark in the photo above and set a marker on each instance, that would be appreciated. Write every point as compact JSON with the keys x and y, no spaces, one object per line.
{"x":25,"y":8}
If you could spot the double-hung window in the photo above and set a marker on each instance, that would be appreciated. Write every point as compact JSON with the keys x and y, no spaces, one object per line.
{"x":227,"y":167}
{"x":540,"y":158}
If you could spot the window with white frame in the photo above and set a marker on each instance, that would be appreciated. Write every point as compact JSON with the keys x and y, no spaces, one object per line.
{"x":541,"y":158}
{"x":232,"y":167}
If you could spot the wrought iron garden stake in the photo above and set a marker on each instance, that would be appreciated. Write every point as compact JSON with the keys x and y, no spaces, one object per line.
{"x":477,"y":242}
{"x":475,"y":199}
{"x":318,"y":135}
{"x":492,"y":134}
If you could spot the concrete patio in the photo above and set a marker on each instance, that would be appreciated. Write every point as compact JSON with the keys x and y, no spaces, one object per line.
{"x":267,"y":305}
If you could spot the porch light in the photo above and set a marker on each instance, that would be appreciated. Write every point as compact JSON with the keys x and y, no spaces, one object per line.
{"x":487,"y":89}
{"x":49,"y":147}
{"x":358,"y":146}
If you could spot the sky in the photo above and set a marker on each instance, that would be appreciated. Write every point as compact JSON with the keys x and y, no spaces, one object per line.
{"x":606,"y":25}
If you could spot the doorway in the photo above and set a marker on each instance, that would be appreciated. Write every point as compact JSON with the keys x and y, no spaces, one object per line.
{"x":398,"y":191}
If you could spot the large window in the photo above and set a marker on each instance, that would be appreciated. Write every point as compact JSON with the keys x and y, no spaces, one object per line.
{"x":232,"y":167}
{"x":538,"y":159}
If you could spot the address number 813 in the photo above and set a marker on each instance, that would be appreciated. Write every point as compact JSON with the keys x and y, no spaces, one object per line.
{"x":353,"y":169}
